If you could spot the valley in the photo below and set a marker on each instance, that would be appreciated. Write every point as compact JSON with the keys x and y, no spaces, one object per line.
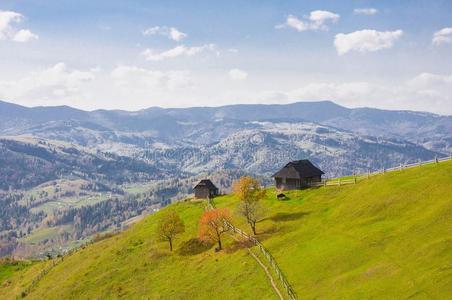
{"x":68,"y":174}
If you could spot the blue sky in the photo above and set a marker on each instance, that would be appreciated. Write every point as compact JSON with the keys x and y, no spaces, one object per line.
{"x":136,"y":54}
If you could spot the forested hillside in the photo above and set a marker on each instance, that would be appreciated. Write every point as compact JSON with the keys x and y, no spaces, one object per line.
{"x":67,"y":174}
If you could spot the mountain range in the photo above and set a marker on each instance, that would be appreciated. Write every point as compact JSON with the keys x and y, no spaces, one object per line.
{"x":207,"y":139}
{"x":67,"y":174}
{"x":210,"y":124}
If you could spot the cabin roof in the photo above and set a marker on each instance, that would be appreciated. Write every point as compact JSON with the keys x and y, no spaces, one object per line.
{"x":206,"y":183}
{"x":299,"y":169}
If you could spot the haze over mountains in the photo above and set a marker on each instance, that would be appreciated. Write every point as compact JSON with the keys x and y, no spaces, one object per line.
{"x":158,"y":128}
{"x":174,"y":123}
{"x":253,"y":138}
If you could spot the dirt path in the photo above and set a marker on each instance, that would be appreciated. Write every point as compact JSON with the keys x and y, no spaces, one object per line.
{"x":267,"y":272}
{"x":269,"y":275}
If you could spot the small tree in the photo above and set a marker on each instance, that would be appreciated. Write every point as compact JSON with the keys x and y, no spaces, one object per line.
{"x":249,"y":191}
{"x":212,"y":225}
{"x":169,"y":225}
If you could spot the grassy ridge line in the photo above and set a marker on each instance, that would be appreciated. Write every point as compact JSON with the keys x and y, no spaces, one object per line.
{"x":352,"y":179}
{"x":389,"y":235}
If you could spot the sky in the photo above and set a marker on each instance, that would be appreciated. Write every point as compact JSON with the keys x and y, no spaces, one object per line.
{"x":137,"y":54}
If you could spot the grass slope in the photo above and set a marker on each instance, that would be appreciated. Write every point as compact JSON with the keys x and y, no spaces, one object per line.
{"x":388,"y":237}
{"x":132,"y":265}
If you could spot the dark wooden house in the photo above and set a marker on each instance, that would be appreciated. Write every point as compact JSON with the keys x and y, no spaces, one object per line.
{"x":297,"y":174}
{"x":205,"y":189}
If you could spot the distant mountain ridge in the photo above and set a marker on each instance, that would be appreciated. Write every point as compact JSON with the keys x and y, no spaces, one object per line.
{"x":173,"y":124}
{"x":82,"y":172}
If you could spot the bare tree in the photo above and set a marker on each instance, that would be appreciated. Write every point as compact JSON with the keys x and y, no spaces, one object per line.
{"x":169,"y":225}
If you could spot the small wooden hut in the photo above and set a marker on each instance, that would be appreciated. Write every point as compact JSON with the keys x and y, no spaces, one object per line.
{"x":205,"y":189}
{"x":297,"y":174}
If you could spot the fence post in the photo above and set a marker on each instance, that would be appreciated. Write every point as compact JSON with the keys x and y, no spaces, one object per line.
{"x":368,"y":173}
{"x":436,"y":159}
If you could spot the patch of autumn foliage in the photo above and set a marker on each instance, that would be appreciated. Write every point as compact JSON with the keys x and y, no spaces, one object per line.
{"x":212,"y":225}
{"x":250,"y":192}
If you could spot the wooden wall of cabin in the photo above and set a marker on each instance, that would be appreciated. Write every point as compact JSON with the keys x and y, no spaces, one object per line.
{"x":202,"y":193}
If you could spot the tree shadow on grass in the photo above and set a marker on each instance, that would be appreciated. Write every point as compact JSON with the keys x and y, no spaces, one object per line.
{"x":193,"y":246}
{"x":267,"y":232}
{"x":284,"y":217}
{"x":237,"y":245}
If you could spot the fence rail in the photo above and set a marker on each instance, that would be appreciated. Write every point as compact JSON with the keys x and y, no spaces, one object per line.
{"x":357,"y":177}
{"x":335,"y":182}
{"x":289,"y":290}
{"x":47,"y":269}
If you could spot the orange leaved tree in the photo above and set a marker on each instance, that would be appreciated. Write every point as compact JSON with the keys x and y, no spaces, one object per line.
{"x":212,"y":225}
{"x":250,"y":192}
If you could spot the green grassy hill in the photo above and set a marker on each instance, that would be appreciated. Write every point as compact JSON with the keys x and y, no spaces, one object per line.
{"x":388,"y":237}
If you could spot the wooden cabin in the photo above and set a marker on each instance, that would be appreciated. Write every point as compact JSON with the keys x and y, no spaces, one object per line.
{"x":205,"y":189}
{"x":297,"y":174}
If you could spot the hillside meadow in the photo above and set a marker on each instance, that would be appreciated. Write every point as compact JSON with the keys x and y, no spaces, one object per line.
{"x":387,"y":237}
{"x":133,"y":265}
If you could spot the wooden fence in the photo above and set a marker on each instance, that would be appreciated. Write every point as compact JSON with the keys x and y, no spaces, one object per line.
{"x":265,"y":252}
{"x":285,"y":283}
{"x":335,"y":182}
{"x":35,"y":280}
{"x":357,"y":177}
{"x":47,"y":269}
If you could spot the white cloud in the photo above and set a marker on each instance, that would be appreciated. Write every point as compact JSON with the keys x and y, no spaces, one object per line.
{"x":424,"y":92}
{"x":132,"y":77}
{"x":365,"y":11}
{"x":237,"y":74}
{"x":8,"y":32}
{"x":24,"y":35}
{"x":319,"y":17}
{"x":137,"y":87}
{"x":178,"y":51}
{"x":316,"y":20}
{"x":6,"y":19}
{"x":429,"y":80}
{"x":56,"y":81}
{"x":348,"y":91}
{"x":443,"y":36}
{"x":176,"y":35}
{"x":170,"y":32}
{"x":366,"y":40}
